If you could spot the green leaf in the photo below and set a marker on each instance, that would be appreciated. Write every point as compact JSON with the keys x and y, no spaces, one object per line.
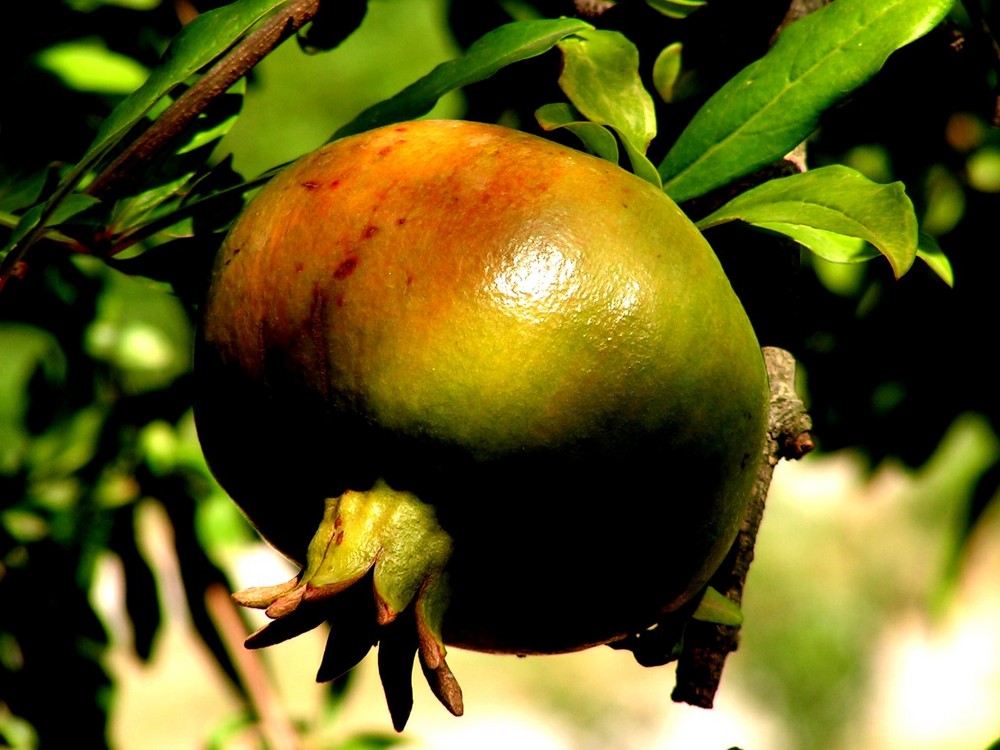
{"x":930,"y":253}
{"x":168,"y":178}
{"x":641,"y":166}
{"x":666,"y":71}
{"x":774,"y":103}
{"x":71,"y":207}
{"x":597,"y":139}
{"x":716,"y":607}
{"x":490,"y":53}
{"x":676,"y":8}
{"x":88,"y":65}
{"x":601,"y":78}
{"x":834,"y":211}
{"x":31,"y":357}
{"x":197,"y":45}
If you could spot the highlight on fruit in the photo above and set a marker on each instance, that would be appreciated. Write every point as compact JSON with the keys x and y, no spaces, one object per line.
{"x":487,"y":391}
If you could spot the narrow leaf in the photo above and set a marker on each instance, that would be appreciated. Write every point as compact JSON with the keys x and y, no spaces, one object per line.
{"x":666,"y":71}
{"x":676,"y":8}
{"x":198,"y":44}
{"x":490,"y":53}
{"x":641,"y":166}
{"x":829,"y":210}
{"x":930,"y":253}
{"x":597,"y":139}
{"x":72,"y":206}
{"x":774,"y":103}
{"x":167,"y":178}
{"x":716,"y":607}
{"x":601,"y":78}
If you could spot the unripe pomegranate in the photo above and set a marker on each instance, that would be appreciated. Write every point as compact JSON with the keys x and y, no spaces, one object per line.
{"x":487,"y":390}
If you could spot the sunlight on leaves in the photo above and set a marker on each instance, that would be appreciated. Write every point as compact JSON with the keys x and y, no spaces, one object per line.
{"x":490,"y":53}
{"x":676,"y":8}
{"x":597,"y":139}
{"x":600,"y":76}
{"x":666,"y":71}
{"x":88,"y":65}
{"x":768,"y":108}
{"x":834,"y":211}
{"x":929,"y":251}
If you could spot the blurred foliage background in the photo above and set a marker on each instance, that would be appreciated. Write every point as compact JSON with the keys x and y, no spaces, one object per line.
{"x":112,"y":530}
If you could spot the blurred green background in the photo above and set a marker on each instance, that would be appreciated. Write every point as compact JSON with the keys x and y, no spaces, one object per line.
{"x":873,"y":603}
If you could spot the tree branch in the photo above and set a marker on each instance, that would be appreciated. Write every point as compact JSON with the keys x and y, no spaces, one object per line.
{"x":286,"y":20}
{"x":707,"y":645}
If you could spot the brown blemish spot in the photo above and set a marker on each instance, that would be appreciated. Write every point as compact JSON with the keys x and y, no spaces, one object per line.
{"x":346,"y":268}
{"x":385,"y":151}
{"x":310,"y":184}
{"x":334,"y":184}
{"x":299,"y":267}
{"x":339,"y":300}
{"x":409,"y":279}
{"x":369,"y":231}
{"x":401,"y":128}
{"x":400,"y":221}
{"x":338,"y":522}
{"x":340,"y":538}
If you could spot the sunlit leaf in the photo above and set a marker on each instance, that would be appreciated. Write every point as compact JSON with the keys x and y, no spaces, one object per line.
{"x":170,"y":178}
{"x":774,"y":103}
{"x":930,"y":253}
{"x":641,"y":166}
{"x":676,"y":8}
{"x":490,"y":53}
{"x":983,"y":169}
{"x":198,"y":44}
{"x":834,"y":211}
{"x":88,"y":65}
{"x":716,"y":607}
{"x":600,"y":76}
{"x":666,"y":70}
{"x":597,"y":139}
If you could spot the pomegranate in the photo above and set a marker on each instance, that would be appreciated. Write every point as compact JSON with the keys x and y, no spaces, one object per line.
{"x":487,"y":390}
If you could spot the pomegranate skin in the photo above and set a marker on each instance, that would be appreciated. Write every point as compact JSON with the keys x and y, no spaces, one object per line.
{"x":529,"y":339}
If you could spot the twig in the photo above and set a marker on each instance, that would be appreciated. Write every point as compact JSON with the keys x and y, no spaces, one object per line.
{"x":286,"y":20}
{"x":706,"y":645}
{"x":274,"y":724}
